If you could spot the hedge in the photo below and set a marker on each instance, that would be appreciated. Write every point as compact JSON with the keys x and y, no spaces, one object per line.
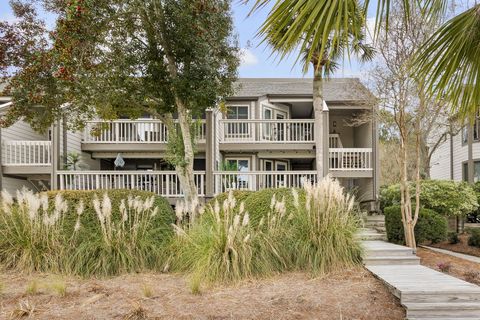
{"x":89,"y":220}
{"x":431,"y":226}
{"x":258,"y":204}
{"x":449,"y":198}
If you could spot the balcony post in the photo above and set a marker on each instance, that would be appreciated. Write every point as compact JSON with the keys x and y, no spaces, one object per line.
{"x":55,"y":154}
{"x":209,"y":154}
{"x":326,"y":131}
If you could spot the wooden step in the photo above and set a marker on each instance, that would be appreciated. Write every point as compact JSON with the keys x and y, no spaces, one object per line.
{"x":452,"y":296}
{"x":442,"y":309}
{"x":391,"y":260}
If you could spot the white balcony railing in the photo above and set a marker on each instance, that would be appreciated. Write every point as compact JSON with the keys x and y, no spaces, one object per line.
{"x":132,"y":131}
{"x":334,"y":141}
{"x":269,"y":131}
{"x":257,"y":180}
{"x":26,"y":153}
{"x":349,"y":159}
{"x":164,"y":183}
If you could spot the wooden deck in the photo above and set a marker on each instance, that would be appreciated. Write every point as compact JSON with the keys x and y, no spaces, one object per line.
{"x":424,"y":292}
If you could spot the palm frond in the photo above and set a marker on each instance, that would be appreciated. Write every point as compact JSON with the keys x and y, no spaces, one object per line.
{"x":307,"y":25}
{"x":449,"y":62}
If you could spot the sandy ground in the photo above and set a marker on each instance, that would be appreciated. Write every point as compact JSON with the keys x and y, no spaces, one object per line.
{"x":461,"y":247}
{"x":460,"y":268}
{"x":351,"y":294}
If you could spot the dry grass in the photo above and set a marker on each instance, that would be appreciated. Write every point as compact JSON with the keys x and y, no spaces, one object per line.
{"x":348,"y":294}
{"x":147,"y":291}
{"x":32,"y":287}
{"x":24,"y":308}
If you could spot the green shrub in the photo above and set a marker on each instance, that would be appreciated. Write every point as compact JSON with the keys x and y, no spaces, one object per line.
{"x":474,"y":239}
{"x":84,"y":232}
{"x":258,"y":204}
{"x":240,"y":195}
{"x":430,"y":226}
{"x":446,"y":197}
{"x":89,"y":220}
{"x":453,"y":238}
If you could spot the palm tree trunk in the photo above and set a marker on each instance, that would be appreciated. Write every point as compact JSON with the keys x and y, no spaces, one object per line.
{"x":318,"y":112}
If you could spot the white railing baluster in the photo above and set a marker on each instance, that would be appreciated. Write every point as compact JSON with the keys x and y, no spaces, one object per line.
{"x":350,"y":159}
{"x":26,"y":153}
{"x":132,"y":131}
{"x":271,"y":130}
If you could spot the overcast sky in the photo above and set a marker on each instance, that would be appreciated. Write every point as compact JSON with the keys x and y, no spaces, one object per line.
{"x":257,"y":59}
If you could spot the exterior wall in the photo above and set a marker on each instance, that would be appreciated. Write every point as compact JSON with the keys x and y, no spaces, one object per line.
{"x":22,"y":131}
{"x":74,"y":144}
{"x":13,"y":184}
{"x":440,"y":164}
{"x":346,"y":133}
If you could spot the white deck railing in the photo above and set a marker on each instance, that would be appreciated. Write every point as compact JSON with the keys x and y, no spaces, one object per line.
{"x":164,"y":183}
{"x":132,"y":131}
{"x":269,"y":131}
{"x":348,"y":159}
{"x":257,"y":180}
{"x":334,"y":141}
{"x":26,"y":153}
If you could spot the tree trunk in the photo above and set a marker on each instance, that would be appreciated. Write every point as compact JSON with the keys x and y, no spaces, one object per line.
{"x":185,"y":169}
{"x":318,"y":111}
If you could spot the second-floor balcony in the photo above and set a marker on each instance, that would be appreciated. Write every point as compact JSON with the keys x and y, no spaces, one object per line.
{"x":26,"y":157}
{"x":278,"y":132}
{"x":132,"y":135}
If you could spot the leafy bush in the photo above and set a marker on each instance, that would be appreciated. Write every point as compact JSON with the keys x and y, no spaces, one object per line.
{"x":474,"y":239}
{"x":453,"y":238}
{"x":258,"y":203}
{"x":430,"y":226}
{"x":89,"y":221}
{"x":446,"y":197}
{"x":88,"y":234}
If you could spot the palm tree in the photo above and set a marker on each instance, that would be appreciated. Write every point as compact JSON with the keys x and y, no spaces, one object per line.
{"x":298,"y":24}
{"x":448,"y":62}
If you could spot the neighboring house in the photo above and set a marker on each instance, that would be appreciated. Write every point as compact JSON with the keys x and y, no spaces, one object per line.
{"x":267,"y":138}
{"x":450,"y":160}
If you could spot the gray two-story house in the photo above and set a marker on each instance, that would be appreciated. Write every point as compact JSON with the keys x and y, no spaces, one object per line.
{"x":269,"y":137}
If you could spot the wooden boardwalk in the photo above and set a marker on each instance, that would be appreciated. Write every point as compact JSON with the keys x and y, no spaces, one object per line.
{"x":424,"y":292}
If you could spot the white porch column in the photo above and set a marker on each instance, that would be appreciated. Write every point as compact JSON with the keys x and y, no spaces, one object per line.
{"x":55,"y":155}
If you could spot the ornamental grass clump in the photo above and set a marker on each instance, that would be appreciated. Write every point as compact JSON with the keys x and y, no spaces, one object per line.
{"x":31,"y":234}
{"x":125,"y":244}
{"x":323,"y":229}
{"x":222,"y":246}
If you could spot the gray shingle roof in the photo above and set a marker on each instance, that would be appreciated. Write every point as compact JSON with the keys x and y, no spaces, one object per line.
{"x":335,"y":89}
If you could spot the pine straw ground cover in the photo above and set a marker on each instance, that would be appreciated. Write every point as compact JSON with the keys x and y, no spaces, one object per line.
{"x":351,"y":294}
{"x":461,"y":247}
{"x":456,"y":267}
